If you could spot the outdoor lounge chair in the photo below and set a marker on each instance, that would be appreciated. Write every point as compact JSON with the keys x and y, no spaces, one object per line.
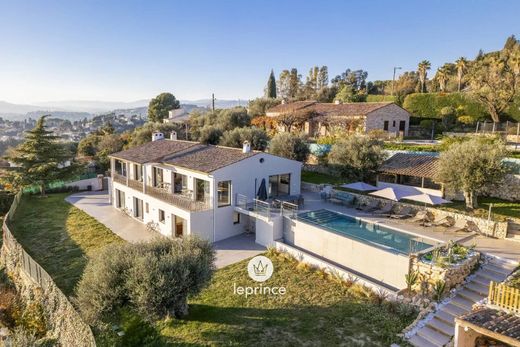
{"x":385,"y":210}
{"x":405,"y":212}
{"x":326,"y":192}
{"x":371,"y":206}
{"x":447,"y":222}
{"x":423,"y":217}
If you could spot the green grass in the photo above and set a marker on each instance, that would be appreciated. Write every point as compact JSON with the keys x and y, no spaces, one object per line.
{"x":501,"y":209}
{"x":395,"y":146}
{"x":315,"y":311}
{"x":319,"y":178}
{"x":59,"y":236}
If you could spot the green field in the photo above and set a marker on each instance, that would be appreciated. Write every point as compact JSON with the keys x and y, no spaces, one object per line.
{"x":317,"y":310}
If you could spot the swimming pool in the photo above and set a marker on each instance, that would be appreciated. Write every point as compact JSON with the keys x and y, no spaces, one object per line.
{"x":366,"y":232}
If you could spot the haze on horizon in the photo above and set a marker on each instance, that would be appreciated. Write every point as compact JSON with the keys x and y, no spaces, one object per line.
{"x":133,"y":50}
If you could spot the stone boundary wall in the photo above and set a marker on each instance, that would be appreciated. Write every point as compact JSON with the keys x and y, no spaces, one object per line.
{"x":33,"y":283}
{"x":488,"y":228}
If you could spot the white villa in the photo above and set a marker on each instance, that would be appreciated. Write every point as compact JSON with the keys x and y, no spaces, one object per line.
{"x":188,"y":188}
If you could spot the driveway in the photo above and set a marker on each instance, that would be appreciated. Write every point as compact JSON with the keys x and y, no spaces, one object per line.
{"x":96,"y":205}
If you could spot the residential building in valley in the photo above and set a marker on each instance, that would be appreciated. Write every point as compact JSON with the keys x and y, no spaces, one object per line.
{"x":188,"y":188}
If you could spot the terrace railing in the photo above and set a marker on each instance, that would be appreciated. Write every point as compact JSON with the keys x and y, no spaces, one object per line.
{"x":181,"y":201}
{"x":266,"y":209}
{"x":119,"y":178}
{"x":289,"y":209}
{"x":137,"y":185}
{"x":504,"y":297}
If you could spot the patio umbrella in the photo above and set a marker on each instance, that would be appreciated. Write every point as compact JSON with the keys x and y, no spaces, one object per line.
{"x":262,"y":191}
{"x":391,"y":193}
{"x":428,"y":199}
{"x":359,"y":186}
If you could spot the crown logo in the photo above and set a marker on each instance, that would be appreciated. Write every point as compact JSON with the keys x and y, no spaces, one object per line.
{"x":260,"y":269}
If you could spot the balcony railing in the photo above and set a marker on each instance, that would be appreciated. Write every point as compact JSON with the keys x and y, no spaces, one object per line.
{"x":119,"y":178}
{"x":137,"y":185}
{"x":181,"y":201}
{"x":504,"y":297}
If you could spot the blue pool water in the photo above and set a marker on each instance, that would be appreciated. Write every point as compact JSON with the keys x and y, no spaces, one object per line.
{"x":363,"y":231}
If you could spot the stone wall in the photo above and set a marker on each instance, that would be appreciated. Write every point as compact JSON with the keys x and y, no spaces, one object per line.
{"x":391,"y":113}
{"x":508,"y":189}
{"x":33,"y":283}
{"x":452,"y":275}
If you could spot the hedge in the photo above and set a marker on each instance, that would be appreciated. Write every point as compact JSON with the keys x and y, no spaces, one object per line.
{"x":429,"y":105}
{"x":380,"y":98}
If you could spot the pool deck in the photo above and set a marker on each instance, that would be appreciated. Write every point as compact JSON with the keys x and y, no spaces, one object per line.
{"x":500,"y":248}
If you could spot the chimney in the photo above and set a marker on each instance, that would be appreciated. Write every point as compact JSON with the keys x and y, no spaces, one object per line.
{"x":156,"y":135}
{"x":337,"y":102}
{"x":246,"y":148}
{"x":173,"y":135}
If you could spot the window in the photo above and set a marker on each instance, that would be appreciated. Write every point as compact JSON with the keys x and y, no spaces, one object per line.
{"x":236,"y":218}
{"x":120,"y":199}
{"x":202,"y":190}
{"x":402,"y":125}
{"x":224,"y":193}
{"x":120,"y":167}
{"x":138,"y":172}
{"x":393,"y":123}
{"x":157,"y":177}
{"x":161,"y":216}
{"x":147,"y":209}
{"x":385,"y":125}
{"x":138,"y":208}
{"x":279,"y":185}
{"x":180,"y":183}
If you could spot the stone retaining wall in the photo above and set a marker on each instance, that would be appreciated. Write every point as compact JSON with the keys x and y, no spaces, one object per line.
{"x":33,"y":283}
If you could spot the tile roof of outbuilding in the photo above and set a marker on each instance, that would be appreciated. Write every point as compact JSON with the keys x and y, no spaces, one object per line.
{"x":330,"y":109}
{"x":418,"y":165}
{"x":497,"y":321}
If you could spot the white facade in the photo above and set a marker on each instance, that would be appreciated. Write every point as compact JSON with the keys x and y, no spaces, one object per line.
{"x":204,"y":219}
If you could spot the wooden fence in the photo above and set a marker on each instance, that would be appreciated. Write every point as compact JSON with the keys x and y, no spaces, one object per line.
{"x":504,"y":297}
{"x":73,"y":328}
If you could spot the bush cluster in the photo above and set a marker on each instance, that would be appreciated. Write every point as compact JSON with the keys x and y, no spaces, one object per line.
{"x":431,"y":105}
{"x":153,"y":278}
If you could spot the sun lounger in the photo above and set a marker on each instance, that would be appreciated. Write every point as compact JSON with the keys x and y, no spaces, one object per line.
{"x":405,"y":212}
{"x":385,"y":210}
{"x":423,"y":217}
{"x":371,"y":206}
{"x":447,"y":222}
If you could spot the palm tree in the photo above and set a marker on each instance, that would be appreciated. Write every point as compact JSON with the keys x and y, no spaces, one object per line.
{"x":442,"y":77}
{"x":422,"y":70}
{"x":461,"y":64}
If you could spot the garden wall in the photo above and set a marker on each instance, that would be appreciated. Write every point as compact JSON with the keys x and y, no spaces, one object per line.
{"x":34,"y":283}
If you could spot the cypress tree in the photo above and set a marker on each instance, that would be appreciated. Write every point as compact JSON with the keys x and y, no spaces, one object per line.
{"x":40,"y":159}
{"x":271,"y":86}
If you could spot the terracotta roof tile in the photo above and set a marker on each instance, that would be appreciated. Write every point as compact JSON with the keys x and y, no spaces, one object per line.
{"x":497,"y":321}
{"x":153,"y":151}
{"x":419,"y":165}
{"x":291,"y":107}
{"x":330,"y":109}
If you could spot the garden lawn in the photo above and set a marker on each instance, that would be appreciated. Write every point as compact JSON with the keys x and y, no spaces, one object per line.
{"x":59,"y":236}
{"x":315,"y":311}
{"x":501,"y":209}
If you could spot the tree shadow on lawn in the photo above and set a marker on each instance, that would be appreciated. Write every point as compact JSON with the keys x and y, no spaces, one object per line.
{"x":350,"y":323}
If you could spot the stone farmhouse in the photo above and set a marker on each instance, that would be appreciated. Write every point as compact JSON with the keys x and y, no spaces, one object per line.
{"x":317,"y":119}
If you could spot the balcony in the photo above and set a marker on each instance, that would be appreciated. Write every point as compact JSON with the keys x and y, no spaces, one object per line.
{"x":119,"y":178}
{"x":181,"y":201}
{"x":137,"y":185}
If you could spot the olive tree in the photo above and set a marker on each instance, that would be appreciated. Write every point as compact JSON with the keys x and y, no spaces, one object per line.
{"x":472,"y":166}
{"x":357,"y":156}
{"x":153,"y":278}
{"x":289,"y":146}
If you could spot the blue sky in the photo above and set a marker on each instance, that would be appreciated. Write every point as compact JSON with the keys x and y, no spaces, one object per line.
{"x":130,"y":50}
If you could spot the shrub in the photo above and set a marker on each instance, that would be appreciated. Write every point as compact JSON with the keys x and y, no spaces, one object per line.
{"x":289,"y":146}
{"x":357,"y":157}
{"x":429,"y":105}
{"x":210,"y":135}
{"x":153,"y":278}
{"x":235,"y":138}
{"x":438,"y":290}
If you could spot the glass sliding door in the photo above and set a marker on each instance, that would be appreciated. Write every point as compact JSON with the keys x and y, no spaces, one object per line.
{"x":180,"y":183}
{"x":179,"y":226}
{"x":138,"y":208}
{"x":201,"y":190}
{"x":279,"y":185}
{"x":120,"y":199}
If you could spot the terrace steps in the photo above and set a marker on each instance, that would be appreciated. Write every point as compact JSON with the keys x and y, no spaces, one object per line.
{"x":440,"y":330}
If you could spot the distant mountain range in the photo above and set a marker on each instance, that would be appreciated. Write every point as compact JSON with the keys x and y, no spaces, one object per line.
{"x":79,"y":109}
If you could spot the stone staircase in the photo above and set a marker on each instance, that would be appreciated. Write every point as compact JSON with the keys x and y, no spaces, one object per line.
{"x":440,"y":330}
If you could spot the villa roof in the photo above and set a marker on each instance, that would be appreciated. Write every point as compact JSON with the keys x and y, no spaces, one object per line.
{"x":330,"y":109}
{"x":207,"y":158}
{"x":190,"y":155}
{"x":153,"y":151}
{"x":418,"y":165}
{"x":495,"y":321}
